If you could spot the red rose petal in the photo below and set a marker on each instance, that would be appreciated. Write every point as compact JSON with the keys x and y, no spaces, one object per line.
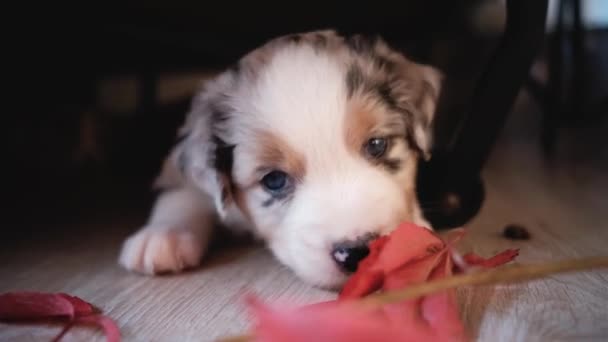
{"x":375,"y":247}
{"x":367,"y":279}
{"x":497,"y":260}
{"x":362,"y":284}
{"x":406,"y":243}
{"x":28,"y":306}
{"x":337,"y":322}
{"x":453,"y":236}
{"x":34,"y":305}
{"x":81,"y":307}
{"x":108,"y":325}
{"x":441,"y":310}
{"x":414,"y":272}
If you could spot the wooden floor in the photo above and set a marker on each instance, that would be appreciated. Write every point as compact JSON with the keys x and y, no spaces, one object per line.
{"x":565,"y":208}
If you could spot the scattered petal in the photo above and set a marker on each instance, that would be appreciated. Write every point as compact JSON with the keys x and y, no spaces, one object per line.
{"x":497,"y":260}
{"x":108,"y":325}
{"x":32,"y":306}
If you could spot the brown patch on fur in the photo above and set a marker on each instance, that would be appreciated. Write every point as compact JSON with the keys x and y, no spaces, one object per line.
{"x":232,"y":194}
{"x":360,"y":123}
{"x":239,"y":200}
{"x":275,"y":154}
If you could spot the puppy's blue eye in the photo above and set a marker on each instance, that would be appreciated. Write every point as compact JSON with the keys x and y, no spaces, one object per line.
{"x":275,"y":181}
{"x":375,"y":147}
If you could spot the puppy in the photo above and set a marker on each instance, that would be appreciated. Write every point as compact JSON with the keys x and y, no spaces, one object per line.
{"x":311,"y":142}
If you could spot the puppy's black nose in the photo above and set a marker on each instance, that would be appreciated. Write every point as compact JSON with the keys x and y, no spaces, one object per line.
{"x":348,"y":256}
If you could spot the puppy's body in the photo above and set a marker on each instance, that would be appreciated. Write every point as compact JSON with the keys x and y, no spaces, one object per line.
{"x":311,"y":142}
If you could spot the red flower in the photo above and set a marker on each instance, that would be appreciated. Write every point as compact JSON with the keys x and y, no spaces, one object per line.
{"x":410,"y":255}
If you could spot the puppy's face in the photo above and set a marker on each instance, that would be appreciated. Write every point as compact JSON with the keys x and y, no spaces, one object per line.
{"x":316,"y":141}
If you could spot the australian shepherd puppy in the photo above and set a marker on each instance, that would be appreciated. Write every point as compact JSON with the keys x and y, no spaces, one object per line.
{"x":311,"y":142}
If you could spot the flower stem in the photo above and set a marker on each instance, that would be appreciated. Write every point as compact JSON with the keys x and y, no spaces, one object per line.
{"x":501,"y":275}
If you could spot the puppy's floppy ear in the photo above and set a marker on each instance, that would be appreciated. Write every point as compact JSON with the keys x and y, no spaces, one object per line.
{"x":412,"y":86}
{"x":201,"y":156}
{"x":426,"y":90}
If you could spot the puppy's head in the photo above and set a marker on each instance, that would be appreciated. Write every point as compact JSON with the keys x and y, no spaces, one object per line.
{"x":315,"y":139}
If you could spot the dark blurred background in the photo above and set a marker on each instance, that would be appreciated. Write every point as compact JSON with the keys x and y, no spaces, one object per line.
{"x":96,"y":94}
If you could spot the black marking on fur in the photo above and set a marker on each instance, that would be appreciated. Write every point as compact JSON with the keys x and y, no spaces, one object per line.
{"x":385,"y":92}
{"x":274,"y":198}
{"x":225,"y":195}
{"x":182,"y":162}
{"x":366,"y":46}
{"x":360,"y":44}
{"x":294,"y":38}
{"x":223,"y":158}
{"x":267,"y":203}
{"x":354,"y":79}
{"x":182,"y":159}
{"x":222,"y":162}
{"x":180,"y":139}
{"x":319,"y":41}
{"x":217,"y":113}
{"x":384,"y":63}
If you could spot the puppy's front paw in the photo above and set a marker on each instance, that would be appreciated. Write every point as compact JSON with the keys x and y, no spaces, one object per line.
{"x":154,"y":250}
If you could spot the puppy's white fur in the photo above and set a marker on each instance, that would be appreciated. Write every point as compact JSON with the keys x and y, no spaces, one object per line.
{"x":301,"y":106}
